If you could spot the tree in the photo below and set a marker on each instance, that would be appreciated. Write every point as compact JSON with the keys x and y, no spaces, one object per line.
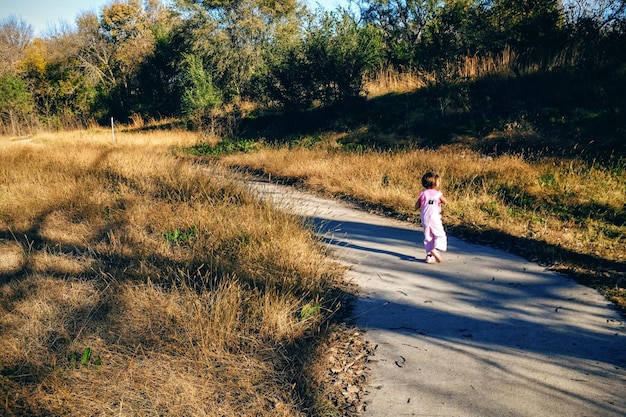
{"x":93,"y":51}
{"x":126,"y":27}
{"x":199,"y":95}
{"x":597,"y":30}
{"x":15,"y":103}
{"x":127,"y":30}
{"x":65,"y":95}
{"x":63,"y":85}
{"x":114,"y":47}
{"x":341,"y":53}
{"x":402,"y":23}
{"x":286,"y":78}
{"x":527,"y":25}
{"x":158,"y":78}
{"x":457,"y":29}
{"x":15,"y":36}
{"x":327,"y":65}
{"x":600,"y":14}
{"x":35,"y":66}
{"x":232,"y":36}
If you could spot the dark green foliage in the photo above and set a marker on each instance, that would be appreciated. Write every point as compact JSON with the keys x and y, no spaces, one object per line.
{"x":158,"y":94}
{"x":327,"y":65}
{"x":527,"y":24}
{"x":430,"y":35}
{"x":402,"y":23}
{"x":199,"y":95}
{"x":287,"y":79}
{"x":15,"y":103}
{"x":340,"y":53}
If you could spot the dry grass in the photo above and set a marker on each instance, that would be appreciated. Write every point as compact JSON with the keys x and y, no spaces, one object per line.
{"x":566,"y":213}
{"x":133,"y":282}
{"x":507,"y":61}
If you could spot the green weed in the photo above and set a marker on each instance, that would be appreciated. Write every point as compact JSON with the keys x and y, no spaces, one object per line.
{"x":547,"y":180}
{"x":309,"y":310}
{"x":181,"y":236}
{"x":85,"y":360}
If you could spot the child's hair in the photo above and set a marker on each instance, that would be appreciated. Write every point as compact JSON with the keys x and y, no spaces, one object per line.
{"x":429,"y":180}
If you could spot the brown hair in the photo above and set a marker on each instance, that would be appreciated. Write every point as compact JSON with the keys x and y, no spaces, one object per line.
{"x":429,"y":180}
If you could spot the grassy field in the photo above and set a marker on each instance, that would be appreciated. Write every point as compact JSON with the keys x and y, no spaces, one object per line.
{"x":137,"y":282}
{"x":139,"y":276}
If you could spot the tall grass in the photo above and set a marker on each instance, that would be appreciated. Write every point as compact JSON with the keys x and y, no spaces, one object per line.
{"x":565,"y":213}
{"x":133,"y":282}
{"x":468,"y":67}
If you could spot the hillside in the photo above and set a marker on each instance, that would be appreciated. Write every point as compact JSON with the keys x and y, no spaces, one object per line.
{"x":563,"y":112}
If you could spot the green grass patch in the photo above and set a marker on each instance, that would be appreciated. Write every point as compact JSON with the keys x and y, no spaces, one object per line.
{"x":223,"y":147}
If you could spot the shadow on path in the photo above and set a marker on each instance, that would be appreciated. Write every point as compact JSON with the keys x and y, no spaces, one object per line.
{"x":524,"y":309}
{"x":485,"y":333}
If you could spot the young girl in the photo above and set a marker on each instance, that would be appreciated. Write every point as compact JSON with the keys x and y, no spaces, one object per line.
{"x":429,"y":202}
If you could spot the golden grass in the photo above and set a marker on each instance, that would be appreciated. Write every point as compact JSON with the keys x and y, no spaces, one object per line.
{"x":567,"y":213}
{"x":134,"y":282}
{"x":389,"y":80}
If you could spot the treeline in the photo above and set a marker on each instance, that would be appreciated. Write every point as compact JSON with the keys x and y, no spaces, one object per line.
{"x":190,"y":59}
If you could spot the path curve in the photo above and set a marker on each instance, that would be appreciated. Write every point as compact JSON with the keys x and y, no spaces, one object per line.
{"x":485,"y":333}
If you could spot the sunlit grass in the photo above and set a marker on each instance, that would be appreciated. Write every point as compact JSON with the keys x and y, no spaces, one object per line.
{"x":135,"y":282}
{"x":507,"y":61}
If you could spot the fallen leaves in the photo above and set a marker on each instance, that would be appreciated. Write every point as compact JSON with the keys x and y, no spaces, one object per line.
{"x":345,"y":371}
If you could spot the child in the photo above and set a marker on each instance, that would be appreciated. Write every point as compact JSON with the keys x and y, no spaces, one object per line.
{"x":429,"y":202}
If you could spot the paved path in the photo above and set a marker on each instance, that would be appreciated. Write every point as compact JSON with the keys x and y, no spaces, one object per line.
{"x":483,"y":334}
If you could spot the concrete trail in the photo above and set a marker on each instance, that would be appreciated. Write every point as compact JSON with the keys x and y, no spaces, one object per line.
{"x":484,"y":333}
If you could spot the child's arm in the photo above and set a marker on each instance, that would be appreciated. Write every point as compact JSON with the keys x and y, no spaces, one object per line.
{"x":443,"y":200}
{"x":418,"y":204}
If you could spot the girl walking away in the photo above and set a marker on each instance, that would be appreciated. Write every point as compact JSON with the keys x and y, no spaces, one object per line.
{"x":429,"y":203}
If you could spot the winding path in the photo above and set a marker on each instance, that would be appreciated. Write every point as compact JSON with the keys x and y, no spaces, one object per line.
{"x":483,"y":334}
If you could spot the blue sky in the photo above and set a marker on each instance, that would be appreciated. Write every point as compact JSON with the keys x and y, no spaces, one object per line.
{"x":43,"y":14}
{"x":40,"y":14}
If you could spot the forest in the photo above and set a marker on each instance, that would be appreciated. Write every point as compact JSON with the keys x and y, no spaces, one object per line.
{"x":205,"y":63}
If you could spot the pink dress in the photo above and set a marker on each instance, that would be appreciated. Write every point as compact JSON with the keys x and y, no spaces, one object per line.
{"x":434,"y":235}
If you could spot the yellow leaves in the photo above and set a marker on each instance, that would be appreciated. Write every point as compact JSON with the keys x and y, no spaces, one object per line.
{"x":127,"y":25}
{"x":123,"y":20}
{"x":35,"y":58}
